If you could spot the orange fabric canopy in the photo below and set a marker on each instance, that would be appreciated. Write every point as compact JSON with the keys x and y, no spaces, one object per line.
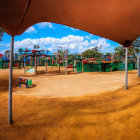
{"x":118,"y":20}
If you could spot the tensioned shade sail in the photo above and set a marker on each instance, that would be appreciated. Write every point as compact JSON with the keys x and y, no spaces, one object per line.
{"x":118,"y":20}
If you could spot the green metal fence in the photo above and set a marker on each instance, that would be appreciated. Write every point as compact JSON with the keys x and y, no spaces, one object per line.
{"x":130,"y":66}
{"x":1,"y":65}
{"x":92,"y":68}
{"x":79,"y":66}
{"x":115,"y":66}
{"x":105,"y":67}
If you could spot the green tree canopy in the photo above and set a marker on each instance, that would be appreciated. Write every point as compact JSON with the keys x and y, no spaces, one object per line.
{"x":91,"y":53}
{"x":133,"y":51}
{"x":136,"y":46}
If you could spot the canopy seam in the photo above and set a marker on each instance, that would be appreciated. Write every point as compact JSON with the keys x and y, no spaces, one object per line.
{"x":29,"y":2}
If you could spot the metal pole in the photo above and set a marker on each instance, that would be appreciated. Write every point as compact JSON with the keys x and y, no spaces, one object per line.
{"x":35,"y":65}
{"x":66,"y":67}
{"x":46,"y":65}
{"x":59,"y":65}
{"x":126,"y":68}
{"x":75,"y":66}
{"x":31,"y":62}
{"x":39,"y":62}
{"x":66,"y":55}
{"x":82,"y":66}
{"x":24,"y":63}
{"x":138,"y":65}
{"x":10,"y":121}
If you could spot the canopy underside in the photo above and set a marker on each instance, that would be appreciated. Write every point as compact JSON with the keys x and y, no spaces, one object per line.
{"x":116,"y":20}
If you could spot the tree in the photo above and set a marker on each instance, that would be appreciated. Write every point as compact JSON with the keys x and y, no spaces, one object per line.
{"x":136,"y":43}
{"x":71,"y":56}
{"x":36,"y":47}
{"x":120,"y":52}
{"x":92,"y":53}
{"x":136,"y":46}
{"x":1,"y":33}
{"x":78,"y":56}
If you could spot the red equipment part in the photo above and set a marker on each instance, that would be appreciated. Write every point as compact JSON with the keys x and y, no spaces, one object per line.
{"x":92,"y":59}
{"x":85,"y":61}
{"x":22,"y":80}
{"x":16,"y":64}
{"x":1,"y":55}
{"x":69,"y":66}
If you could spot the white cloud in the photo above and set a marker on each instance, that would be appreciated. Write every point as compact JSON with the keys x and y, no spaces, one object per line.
{"x":31,"y":29}
{"x":102,"y":42}
{"x":90,"y":36}
{"x":45,"y":24}
{"x":72,"y":43}
{"x":3,"y":51}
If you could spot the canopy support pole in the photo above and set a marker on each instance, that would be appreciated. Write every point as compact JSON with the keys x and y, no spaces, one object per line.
{"x":10,"y":121}
{"x":126,"y":68}
{"x":138,"y":65}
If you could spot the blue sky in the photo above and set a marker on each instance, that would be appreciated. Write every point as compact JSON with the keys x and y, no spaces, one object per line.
{"x":51,"y":36}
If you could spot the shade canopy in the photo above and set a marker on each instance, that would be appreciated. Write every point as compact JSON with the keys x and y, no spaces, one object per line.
{"x":117,"y":20}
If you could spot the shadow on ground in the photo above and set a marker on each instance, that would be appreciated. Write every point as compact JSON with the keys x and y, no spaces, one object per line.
{"x":4,"y":84}
{"x":113,"y":115}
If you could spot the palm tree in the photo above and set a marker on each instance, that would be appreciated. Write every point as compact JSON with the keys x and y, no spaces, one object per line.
{"x":136,"y":46}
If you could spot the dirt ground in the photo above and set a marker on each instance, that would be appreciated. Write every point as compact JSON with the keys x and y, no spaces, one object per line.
{"x":55,"y":84}
{"x":93,"y":106}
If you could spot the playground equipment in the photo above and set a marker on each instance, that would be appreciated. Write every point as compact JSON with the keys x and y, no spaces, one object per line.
{"x":72,"y":64}
{"x":58,"y":58}
{"x":26,"y":82}
{"x":31,"y":59}
{"x":61,"y":59}
{"x":4,"y":60}
{"x":34,"y":58}
{"x":1,"y":62}
{"x":66,"y":62}
{"x":30,"y":70}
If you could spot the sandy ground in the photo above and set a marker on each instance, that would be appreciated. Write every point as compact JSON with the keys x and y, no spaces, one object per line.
{"x":95,"y":106}
{"x":55,"y":84}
